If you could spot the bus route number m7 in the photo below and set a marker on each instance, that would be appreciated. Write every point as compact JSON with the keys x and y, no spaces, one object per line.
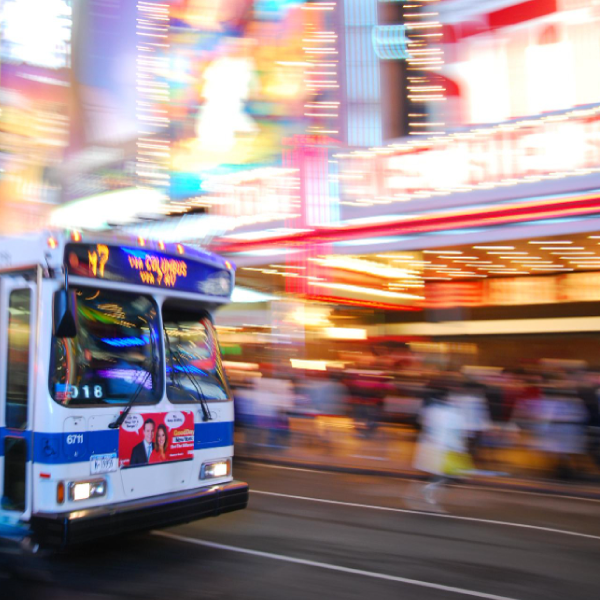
{"x":97,"y":259}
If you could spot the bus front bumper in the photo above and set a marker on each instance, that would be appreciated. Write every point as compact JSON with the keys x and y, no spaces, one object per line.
{"x":66,"y":529}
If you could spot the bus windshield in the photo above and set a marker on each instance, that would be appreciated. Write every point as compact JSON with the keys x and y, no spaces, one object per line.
{"x":193,"y":358}
{"x":115,"y":351}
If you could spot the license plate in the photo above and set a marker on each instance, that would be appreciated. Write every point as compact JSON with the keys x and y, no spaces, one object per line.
{"x":103,"y":463}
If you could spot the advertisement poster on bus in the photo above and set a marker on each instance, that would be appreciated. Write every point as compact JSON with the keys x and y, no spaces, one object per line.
{"x":154,"y":438}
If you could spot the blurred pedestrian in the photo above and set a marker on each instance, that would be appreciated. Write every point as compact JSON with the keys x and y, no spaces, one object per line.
{"x":246,"y":419}
{"x":494,"y":393}
{"x":328,"y":396}
{"x":498,"y":434}
{"x":273,"y":400}
{"x":441,"y":448}
{"x":588,"y":391}
{"x":562,"y":428}
{"x":470,"y":400}
{"x":368,"y":390}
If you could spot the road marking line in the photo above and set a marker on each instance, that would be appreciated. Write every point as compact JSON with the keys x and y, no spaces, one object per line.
{"x":550,"y":496}
{"x":431,"y":514}
{"x":267,"y":466}
{"x":330,"y":567}
{"x":480,"y":488}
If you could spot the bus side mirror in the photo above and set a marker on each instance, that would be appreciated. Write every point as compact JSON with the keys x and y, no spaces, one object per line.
{"x":63,"y":315}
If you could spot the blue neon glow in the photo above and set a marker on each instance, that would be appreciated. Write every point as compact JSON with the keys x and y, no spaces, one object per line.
{"x":126,"y":342}
{"x":190,"y":369}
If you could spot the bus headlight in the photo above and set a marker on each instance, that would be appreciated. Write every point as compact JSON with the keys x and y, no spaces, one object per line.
{"x":84,"y":490}
{"x":216,"y":468}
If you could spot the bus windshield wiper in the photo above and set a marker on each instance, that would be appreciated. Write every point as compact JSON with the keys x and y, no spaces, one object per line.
{"x":119,"y":420}
{"x":183,"y":369}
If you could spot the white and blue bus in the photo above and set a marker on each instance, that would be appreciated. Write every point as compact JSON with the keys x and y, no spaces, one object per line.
{"x":115,"y":413}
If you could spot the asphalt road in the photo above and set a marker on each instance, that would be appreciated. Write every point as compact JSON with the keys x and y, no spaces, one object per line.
{"x":365,"y":538}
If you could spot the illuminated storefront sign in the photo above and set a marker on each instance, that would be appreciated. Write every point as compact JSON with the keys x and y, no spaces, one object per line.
{"x":135,"y":265}
{"x":481,"y":158}
{"x":514,"y":291}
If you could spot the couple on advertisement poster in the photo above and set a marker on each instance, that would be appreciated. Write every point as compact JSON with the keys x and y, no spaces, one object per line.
{"x":153,"y":448}
{"x":154,"y":438}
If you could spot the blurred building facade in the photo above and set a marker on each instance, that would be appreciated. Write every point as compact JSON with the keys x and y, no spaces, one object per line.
{"x":35,"y":58}
{"x":480,"y":232}
{"x":358,"y":159}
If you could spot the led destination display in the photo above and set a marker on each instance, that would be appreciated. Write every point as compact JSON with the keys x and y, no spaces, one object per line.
{"x":147,"y":267}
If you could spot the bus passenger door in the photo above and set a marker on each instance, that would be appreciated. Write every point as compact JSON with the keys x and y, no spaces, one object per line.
{"x":17,"y":366}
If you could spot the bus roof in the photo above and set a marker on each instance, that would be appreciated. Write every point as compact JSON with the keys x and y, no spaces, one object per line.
{"x":122,"y":258}
{"x":35,"y":248}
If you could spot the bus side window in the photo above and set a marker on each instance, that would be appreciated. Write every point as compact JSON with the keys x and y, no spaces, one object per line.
{"x":17,"y":365}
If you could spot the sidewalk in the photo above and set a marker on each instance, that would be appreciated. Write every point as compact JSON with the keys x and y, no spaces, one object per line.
{"x":334,"y":444}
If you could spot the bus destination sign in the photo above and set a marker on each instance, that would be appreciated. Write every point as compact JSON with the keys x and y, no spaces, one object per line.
{"x":148,"y":267}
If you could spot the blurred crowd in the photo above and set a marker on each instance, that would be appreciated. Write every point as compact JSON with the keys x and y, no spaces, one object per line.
{"x":493,"y":421}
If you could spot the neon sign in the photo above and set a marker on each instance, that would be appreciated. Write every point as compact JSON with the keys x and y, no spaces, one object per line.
{"x":525,"y":150}
{"x":147,"y":267}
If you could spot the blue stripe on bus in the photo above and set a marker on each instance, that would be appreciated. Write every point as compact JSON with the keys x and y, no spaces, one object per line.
{"x":60,"y":448}
{"x":213,"y":435}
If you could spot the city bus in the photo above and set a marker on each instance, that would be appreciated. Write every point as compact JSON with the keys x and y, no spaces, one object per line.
{"x":115,"y":412}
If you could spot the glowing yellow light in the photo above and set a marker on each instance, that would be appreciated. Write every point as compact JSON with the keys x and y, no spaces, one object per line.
{"x":345,"y":333}
{"x":359,"y":265}
{"x":309,"y":365}
{"x":494,"y":247}
{"x":366,"y":291}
